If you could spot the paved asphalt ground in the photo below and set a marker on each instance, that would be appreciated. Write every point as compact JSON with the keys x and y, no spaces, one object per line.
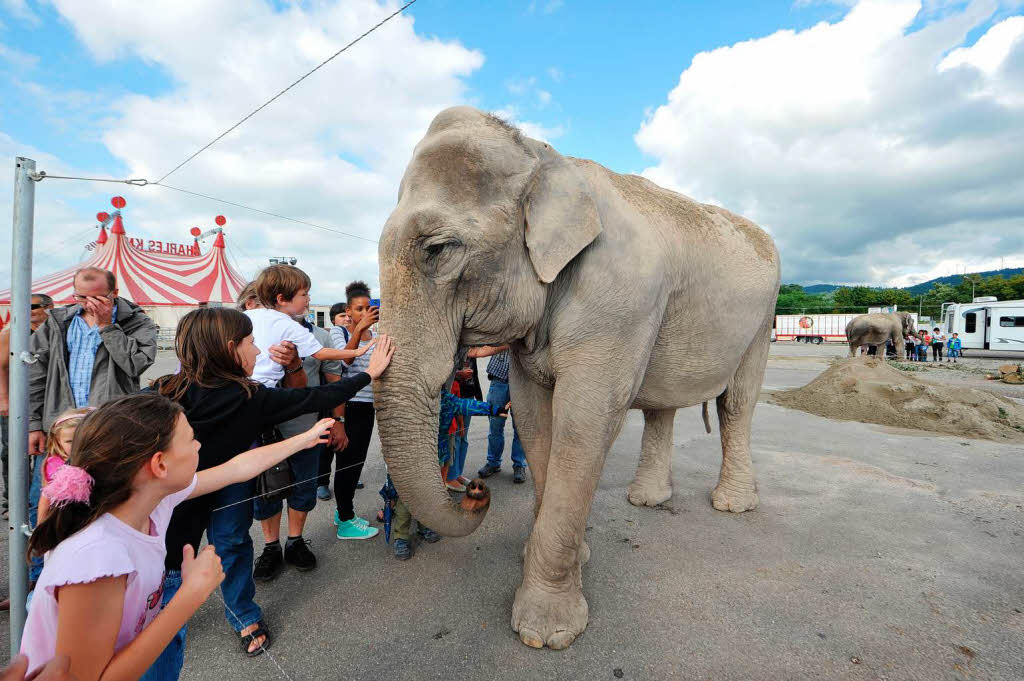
{"x":875,"y":554}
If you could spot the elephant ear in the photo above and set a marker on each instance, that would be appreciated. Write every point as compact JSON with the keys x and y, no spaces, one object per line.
{"x":561,"y":218}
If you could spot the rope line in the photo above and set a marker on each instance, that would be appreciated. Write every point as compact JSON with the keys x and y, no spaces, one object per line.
{"x":264,"y":212}
{"x":275,"y":97}
{"x":315,"y":477}
{"x":265,"y":651}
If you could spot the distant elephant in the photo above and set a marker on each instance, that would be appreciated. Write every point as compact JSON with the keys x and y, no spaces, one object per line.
{"x":613,"y":293}
{"x":878,"y":327}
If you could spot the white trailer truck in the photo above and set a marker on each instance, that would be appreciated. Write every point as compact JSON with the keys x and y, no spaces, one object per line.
{"x":987,"y":323}
{"x":817,"y":328}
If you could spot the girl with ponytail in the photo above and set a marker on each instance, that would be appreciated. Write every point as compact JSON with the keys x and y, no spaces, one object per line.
{"x":98,"y":599}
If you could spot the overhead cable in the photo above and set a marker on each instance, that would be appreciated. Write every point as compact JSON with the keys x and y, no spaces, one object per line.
{"x":272,"y":99}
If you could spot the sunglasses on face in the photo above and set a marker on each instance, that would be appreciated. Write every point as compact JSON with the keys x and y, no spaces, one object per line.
{"x":36,"y":306}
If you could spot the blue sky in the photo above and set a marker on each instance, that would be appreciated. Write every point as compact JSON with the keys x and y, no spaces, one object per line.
{"x":128,"y":90}
{"x":605,"y":65}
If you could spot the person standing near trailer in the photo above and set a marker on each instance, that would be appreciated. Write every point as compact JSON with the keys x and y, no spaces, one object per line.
{"x":938,"y":342}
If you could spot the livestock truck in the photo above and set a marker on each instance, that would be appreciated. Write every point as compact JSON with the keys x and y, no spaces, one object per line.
{"x":817,"y":328}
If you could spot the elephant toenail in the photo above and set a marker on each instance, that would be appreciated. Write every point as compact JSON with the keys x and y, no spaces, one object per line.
{"x":561,"y":640}
{"x":530,"y":638}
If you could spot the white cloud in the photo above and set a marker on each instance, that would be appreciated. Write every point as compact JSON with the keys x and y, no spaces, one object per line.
{"x":991,"y":50}
{"x":331,"y":151}
{"x":543,"y":98}
{"x":849,"y":143}
{"x":18,"y":59}
{"x":21,"y":10}
{"x":555,"y":74}
{"x":520,"y":86}
{"x":549,"y":7}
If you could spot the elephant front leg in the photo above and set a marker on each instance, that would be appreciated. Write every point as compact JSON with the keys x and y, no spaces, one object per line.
{"x":550,"y":609}
{"x":653,"y":483}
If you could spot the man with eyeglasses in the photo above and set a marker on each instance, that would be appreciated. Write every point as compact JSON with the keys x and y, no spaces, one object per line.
{"x":88,"y":352}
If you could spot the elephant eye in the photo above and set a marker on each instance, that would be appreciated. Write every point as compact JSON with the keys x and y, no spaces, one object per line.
{"x":439,"y":254}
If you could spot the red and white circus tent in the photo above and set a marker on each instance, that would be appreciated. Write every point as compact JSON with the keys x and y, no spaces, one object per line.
{"x":165,"y":280}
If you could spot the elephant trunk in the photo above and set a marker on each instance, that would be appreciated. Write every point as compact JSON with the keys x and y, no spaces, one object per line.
{"x":407,"y":400}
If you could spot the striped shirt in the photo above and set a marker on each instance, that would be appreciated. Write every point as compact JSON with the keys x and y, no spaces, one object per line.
{"x":83,"y":342}
{"x":359,"y":365}
{"x":497,"y":368}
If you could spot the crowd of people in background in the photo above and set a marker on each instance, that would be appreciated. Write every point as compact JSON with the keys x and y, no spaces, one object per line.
{"x":126,"y":479}
{"x":917,"y":344}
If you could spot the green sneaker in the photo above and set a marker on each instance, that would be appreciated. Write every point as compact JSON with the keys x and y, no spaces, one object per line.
{"x":357,"y":519}
{"x":350,"y":529}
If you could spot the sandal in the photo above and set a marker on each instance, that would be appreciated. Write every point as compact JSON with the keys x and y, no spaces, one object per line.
{"x":250,"y":638}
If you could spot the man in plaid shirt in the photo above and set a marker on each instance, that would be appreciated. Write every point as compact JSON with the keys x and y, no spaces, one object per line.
{"x":88,"y":352}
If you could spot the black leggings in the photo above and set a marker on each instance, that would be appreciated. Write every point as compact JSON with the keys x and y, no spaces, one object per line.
{"x":937,"y":351}
{"x":359,"y":428}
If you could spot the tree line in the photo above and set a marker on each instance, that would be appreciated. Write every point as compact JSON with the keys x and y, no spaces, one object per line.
{"x":793,"y":299}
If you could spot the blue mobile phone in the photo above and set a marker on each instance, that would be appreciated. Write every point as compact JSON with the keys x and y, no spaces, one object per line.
{"x":375,"y":302}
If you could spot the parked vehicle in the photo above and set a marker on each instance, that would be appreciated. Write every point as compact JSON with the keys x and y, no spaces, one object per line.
{"x":816,"y":328}
{"x":987,"y":323}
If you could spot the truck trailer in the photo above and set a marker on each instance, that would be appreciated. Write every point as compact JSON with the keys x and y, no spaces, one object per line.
{"x":817,"y":328}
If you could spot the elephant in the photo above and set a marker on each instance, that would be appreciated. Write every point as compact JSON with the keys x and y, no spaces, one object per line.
{"x":612,"y":293}
{"x":878,"y":327}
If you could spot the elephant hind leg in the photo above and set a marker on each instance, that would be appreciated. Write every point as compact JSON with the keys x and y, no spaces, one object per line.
{"x":737,"y":490}
{"x":653,"y":483}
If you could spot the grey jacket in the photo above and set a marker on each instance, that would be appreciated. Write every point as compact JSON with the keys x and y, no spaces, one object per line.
{"x":127,"y":349}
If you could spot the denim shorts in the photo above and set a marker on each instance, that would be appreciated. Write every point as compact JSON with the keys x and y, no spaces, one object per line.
{"x":302,"y":497}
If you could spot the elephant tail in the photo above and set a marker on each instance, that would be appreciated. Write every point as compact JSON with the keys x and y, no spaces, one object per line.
{"x":704,"y":415}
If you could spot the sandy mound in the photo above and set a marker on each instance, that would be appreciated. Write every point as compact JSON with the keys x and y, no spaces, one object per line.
{"x":871,"y":391}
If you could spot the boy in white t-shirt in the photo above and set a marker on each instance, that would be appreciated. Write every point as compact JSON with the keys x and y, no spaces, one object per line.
{"x":284,"y":292}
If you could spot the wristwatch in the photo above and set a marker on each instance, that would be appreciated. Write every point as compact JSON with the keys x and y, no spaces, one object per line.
{"x":295,"y":370}
{"x":339,"y":419}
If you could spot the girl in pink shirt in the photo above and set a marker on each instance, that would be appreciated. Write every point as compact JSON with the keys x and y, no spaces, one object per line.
{"x":58,"y":450}
{"x":98,"y":598}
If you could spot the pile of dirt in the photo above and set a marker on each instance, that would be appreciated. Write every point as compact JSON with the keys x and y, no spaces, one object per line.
{"x":871,"y":391}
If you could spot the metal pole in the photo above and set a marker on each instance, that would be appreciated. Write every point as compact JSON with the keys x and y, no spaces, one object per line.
{"x":17,"y":436}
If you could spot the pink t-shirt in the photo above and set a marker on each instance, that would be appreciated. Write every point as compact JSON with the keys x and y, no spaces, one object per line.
{"x":106,"y":548}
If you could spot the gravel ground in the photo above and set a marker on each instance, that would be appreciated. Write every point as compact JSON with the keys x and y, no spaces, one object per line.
{"x":874,"y":555}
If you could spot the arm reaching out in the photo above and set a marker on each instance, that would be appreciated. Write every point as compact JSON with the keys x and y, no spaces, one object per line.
{"x":248,"y":465}
{"x":328,"y":354}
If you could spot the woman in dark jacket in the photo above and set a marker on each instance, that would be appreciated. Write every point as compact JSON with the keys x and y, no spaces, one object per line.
{"x":228,"y":411}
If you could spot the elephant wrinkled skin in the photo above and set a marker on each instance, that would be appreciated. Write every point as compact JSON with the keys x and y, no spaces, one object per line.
{"x":876,"y":328}
{"x":613,"y":293}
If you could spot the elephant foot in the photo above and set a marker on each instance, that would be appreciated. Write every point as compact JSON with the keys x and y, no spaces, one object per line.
{"x":641,"y":493}
{"x":736,"y":500}
{"x":549,"y":618}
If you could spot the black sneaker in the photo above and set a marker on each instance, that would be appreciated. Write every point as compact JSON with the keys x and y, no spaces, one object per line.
{"x":488,"y":470}
{"x":518,"y":475}
{"x":269,"y":565}
{"x":298,"y":554}
{"x":403,"y":551}
{"x":428,"y":535}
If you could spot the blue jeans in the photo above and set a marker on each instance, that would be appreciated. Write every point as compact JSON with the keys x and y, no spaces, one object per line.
{"x":228,"y":531}
{"x":922,"y":353}
{"x":35,"y":488}
{"x":498,"y":395}
{"x":461,"y":447}
{"x":168,"y":666}
{"x":301,"y":497}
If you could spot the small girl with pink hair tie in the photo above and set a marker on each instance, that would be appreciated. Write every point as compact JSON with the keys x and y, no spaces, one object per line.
{"x":58,"y":450}
{"x":98,"y":600}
